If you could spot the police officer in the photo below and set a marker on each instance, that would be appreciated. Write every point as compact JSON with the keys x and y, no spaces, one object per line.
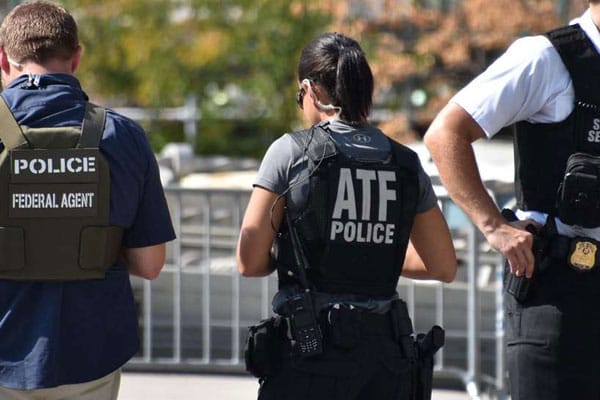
{"x":548,"y":86}
{"x":81,"y":208}
{"x":345,"y":205}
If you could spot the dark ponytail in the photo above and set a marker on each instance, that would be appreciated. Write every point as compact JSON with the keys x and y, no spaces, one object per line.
{"x":337,"y":64}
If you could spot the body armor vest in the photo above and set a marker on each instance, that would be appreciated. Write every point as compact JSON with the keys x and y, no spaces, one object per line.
{"x":55,"y":200}
{"x":355,"y":227}
{"x":542,"y":150}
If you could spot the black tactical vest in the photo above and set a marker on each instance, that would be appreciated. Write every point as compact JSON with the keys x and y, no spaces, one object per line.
{"x":356,"y":224}
{"x":55,"y":198}
{"x":542,"y":150}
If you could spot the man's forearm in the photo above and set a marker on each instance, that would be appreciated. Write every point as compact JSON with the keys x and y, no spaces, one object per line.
{"x":449,"y":141}
{"x":459,"y":174}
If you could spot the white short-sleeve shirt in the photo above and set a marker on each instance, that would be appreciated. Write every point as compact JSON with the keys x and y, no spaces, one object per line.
{"x":529,"y":82}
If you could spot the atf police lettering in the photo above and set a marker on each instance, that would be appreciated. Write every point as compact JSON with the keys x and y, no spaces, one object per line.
{"x":52,"y":200}
{"x":353,"y":221}
{"x":59,"y":165}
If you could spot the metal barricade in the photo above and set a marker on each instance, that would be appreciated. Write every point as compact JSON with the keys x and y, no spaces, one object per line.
{"x":195,"y":315}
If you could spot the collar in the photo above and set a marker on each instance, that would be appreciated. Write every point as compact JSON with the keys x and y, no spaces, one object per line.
{"x":342,"y":127}
{"x":38,"y":81}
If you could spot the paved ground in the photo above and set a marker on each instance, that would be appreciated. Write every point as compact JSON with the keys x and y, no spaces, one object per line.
{"x":153,"y":386}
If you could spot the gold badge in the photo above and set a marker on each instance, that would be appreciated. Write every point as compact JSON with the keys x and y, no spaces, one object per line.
{"x":583,"y":256}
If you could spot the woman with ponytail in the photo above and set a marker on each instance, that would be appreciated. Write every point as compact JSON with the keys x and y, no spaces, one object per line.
{"x":340,"y":211}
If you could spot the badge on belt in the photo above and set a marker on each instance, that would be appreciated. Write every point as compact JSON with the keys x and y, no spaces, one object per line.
{"x":582,"y":256}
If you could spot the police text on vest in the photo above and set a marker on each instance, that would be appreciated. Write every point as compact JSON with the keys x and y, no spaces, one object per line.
{"x":61,"y":165}
{"x":351,"y":220}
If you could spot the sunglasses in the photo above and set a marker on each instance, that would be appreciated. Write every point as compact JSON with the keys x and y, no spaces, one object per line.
{"x":300,"y":97}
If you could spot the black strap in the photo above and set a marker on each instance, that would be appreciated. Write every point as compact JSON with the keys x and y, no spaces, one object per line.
{"x":10,"y":132}
{"x":91,"y":131}
{"x":315,"y":142}
{"x":93,"y":126}
{"x":405,"y":157}
{"x":581,"y":59}
{"x":300,"y":259}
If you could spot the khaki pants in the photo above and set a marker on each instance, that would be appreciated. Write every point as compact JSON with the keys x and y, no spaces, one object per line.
{"x":105,"y":388}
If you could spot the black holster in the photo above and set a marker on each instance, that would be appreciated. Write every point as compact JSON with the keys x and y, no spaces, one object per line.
{"x":419,"y":349}
{"x":265,"y":346}
{"x":426,"y":345}
{"x":518,"y":286}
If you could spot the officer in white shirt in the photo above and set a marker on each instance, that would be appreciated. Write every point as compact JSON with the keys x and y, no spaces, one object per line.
{"x":549,"y":87}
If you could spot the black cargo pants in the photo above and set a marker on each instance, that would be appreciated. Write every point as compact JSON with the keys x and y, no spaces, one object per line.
{"x":553,"y":337}
{"x":369,"y":365}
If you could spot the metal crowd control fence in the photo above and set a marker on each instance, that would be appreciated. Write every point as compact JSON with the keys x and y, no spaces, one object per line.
{"x":194,"y":317}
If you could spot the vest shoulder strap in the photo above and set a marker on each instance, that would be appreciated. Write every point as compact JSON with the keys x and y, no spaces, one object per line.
{"x":93,"y":126}
{"x":10,"y":132}
{"x":404,"y":156}
{"x":580,"y":58}
{"x":316,"y":142}
{"x":408,"y":159}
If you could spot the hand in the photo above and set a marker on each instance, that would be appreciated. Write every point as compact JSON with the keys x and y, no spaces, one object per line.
{"x":515,"y":243}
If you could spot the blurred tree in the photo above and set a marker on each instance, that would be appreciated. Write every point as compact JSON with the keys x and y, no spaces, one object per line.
{"x":423,"y":51}
{"x":238,"y":57}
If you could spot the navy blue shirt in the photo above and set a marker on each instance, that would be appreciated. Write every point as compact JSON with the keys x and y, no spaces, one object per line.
{"x":56,"y":333}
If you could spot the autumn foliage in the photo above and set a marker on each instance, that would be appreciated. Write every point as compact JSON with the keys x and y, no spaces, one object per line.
{"x":417,"y":45}
{"x":239,"y":57}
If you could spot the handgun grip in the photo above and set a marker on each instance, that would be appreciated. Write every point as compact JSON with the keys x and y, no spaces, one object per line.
{"x":517,"y":286}
{"x":430,"y":343}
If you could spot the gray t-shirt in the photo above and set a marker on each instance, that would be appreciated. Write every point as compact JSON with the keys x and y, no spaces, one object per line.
{"x":285,"y":165}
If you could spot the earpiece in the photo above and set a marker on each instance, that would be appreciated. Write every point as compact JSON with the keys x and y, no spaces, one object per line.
{"x":325,"y":107}
{"x":321,"y":106}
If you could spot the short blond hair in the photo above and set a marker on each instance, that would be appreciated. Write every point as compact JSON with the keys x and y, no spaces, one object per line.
{"x":39,"y":31}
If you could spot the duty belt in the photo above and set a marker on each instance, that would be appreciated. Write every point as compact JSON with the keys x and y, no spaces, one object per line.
{"x":581,"y":253}
{"x":376,"y":306}
{"x":324,"y":301}
{"x":367,"y":322}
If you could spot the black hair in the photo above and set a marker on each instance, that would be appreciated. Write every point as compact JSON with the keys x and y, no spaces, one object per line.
{"x":338,"y":65}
